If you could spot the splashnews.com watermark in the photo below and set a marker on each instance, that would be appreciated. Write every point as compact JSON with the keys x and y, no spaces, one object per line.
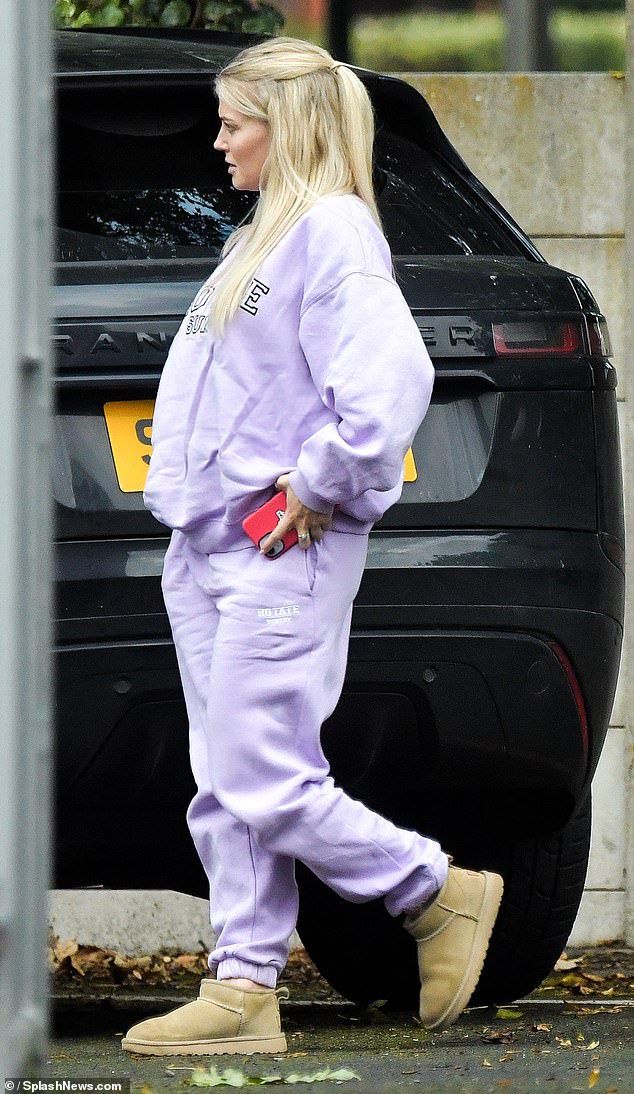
{"x":66,"y":1086}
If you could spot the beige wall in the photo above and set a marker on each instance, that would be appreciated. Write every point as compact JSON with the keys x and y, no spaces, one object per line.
{"x":551,"y":148}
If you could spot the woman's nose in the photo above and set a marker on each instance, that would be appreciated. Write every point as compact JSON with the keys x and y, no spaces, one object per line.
{"x":219,"y":143}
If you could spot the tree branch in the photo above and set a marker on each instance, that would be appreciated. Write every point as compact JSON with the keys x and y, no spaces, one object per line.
{"x":197,"y":19}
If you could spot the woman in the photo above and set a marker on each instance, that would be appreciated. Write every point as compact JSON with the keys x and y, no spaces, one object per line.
{"x":298,"y":368}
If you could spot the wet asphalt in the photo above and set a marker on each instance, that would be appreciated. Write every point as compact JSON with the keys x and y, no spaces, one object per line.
{"x":555,"y":1044}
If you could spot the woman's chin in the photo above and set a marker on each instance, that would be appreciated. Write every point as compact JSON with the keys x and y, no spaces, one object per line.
{"x":241,"y":184}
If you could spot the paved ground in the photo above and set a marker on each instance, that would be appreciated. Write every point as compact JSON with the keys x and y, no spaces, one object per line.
{"x":574,"y":1034}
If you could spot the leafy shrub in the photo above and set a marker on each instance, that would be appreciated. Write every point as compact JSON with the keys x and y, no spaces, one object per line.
{"x":258,"y":16}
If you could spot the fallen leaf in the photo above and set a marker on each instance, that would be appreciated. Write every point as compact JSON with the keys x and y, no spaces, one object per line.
{"x":188,"y":962}
{"x":591,"y":1047}
{"x":564,"y":1042}
{"x":508,"y":1015}
{"x":542,"y":1027}
{"x":593,"y":1077}
{"x":486,"y":1063}
{"x":326,"y":1075}
{"x":507,"y":1057}
{"x":565,"y":964}
{"x":93,"y":962}
{"x":498,"y":1037}
{"x":213,"y":1077}
{"x":65,"y":948}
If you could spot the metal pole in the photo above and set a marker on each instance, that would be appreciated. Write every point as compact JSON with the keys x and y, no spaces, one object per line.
{"x":25,"y":214}
{"x":339,"y":29}
{"x":627,"y":427}
{"x":527,"y":47}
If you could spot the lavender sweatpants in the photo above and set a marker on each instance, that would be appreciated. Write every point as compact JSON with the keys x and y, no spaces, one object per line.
{"x":262,"y":648}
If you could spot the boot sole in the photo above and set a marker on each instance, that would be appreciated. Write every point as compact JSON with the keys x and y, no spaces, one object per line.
{"x":244,"y":1046}
{"x":493,"y":890}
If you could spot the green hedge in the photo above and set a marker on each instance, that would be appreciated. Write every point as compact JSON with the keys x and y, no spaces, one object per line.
{"x":236,"y":15}
{"x":473,"y":43}
{"x":588,"y":43}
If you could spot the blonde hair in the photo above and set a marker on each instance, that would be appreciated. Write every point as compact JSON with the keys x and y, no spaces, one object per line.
{"x":321,"y":128}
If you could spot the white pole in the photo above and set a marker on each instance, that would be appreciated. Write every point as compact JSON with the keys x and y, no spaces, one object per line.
{"x":25,"y":204}
{"x":627,"y":425}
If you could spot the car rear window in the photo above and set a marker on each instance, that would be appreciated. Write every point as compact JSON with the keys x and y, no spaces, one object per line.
{"x":139,"y":179}
{"x":427,"y":209}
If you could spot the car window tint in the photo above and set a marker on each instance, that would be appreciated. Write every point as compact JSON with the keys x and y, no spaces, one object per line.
{"x":149,"y":185}
{"x":143,"y":194}
{"x":427,"y":209}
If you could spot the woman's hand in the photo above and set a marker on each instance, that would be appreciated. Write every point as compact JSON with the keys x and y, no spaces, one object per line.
{"x":309,"y":524}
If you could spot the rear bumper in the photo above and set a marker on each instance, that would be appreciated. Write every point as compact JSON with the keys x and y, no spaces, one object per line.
{"x":453,"y":686}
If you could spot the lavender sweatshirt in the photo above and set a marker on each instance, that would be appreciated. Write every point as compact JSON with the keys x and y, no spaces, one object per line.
{"x":321,"y":373}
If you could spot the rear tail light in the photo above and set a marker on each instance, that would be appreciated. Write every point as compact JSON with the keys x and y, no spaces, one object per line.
{"x":599,"y":336}
{"x":546,"y":337}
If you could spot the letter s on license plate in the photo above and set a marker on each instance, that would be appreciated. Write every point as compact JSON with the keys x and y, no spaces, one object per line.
{"x":129,"y":426}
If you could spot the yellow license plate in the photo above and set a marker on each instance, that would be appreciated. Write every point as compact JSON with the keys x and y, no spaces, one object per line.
{"x":129,"y":426}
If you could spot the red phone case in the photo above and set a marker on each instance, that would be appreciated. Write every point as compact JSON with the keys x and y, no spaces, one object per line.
{"x":260,"y":524}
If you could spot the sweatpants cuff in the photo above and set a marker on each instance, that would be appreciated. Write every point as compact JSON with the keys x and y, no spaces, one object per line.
{"x":420,"y":888}
{"x":232,"y":969}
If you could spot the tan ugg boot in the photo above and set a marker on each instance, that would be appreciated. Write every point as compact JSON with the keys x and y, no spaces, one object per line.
{"x":453,"y":937}
{"x":223,"y":1019}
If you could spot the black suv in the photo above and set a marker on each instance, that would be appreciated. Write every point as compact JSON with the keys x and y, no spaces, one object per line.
{"x":487,"y":631}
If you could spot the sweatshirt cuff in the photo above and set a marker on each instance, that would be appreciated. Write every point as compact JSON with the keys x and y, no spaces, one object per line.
{"x":304,"y":493}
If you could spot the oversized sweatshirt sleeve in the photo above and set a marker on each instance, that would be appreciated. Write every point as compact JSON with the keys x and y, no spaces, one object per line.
{"x":370,"y":366}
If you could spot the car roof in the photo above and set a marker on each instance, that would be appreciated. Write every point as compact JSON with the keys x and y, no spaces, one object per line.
{"x":101,"y":53}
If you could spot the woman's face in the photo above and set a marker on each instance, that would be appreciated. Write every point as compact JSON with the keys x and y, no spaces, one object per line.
{"x":245,"y":143}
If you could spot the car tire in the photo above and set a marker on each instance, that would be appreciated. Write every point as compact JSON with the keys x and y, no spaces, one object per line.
{"x":367,"y":956}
